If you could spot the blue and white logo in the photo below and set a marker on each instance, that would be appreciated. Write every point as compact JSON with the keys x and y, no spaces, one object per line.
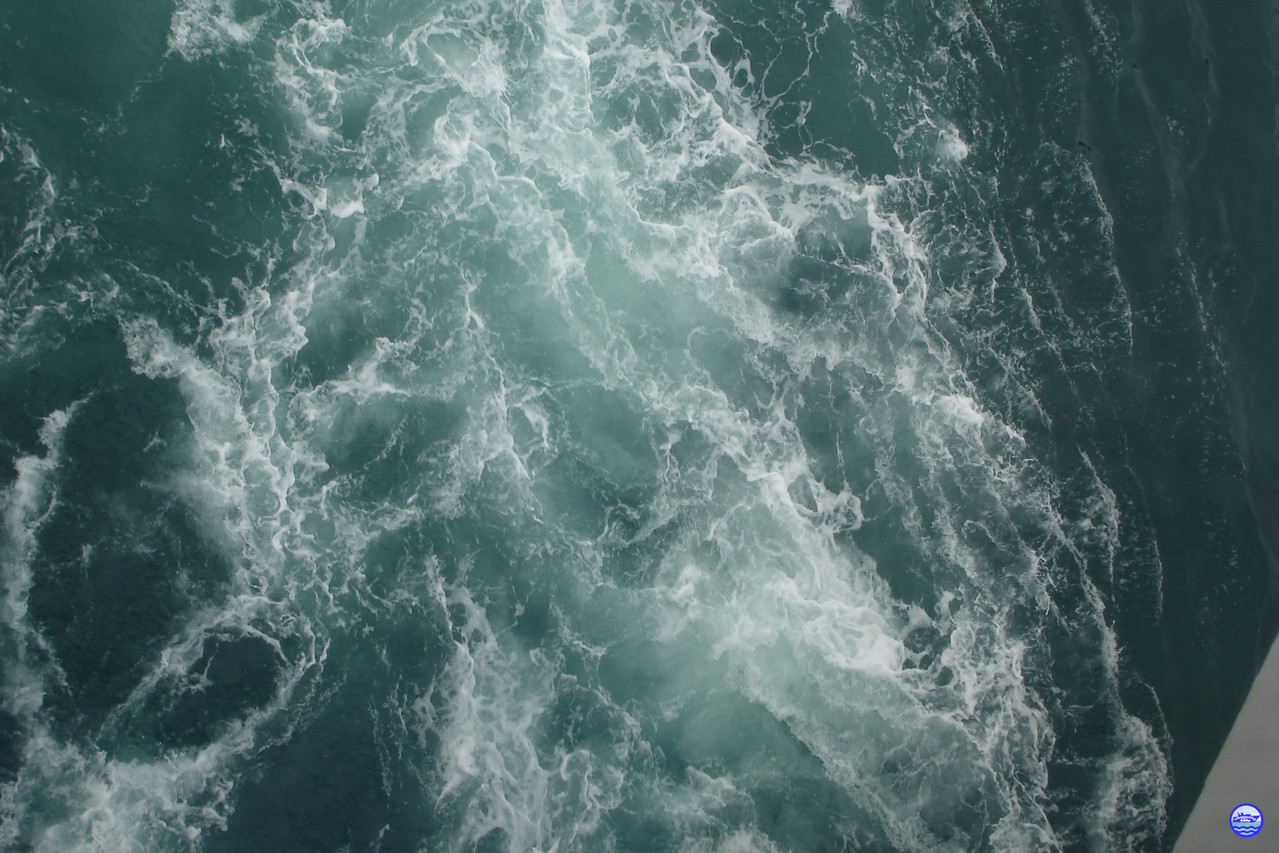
{"x":1246,"y":820}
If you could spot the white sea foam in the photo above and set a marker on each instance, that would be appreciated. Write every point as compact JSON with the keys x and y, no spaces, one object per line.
{"x":203,"y":27}
{"x":816,"y":608}
{"x":541,"y":232}
{"x":28,"y":502}
{"x":108,"y":798}
{"x":952,"y":146}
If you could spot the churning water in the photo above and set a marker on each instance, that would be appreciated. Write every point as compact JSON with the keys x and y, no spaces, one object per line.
{"x":630,"y":425}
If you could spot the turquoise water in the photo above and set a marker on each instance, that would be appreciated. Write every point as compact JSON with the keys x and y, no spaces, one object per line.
{"x":649,"y":426}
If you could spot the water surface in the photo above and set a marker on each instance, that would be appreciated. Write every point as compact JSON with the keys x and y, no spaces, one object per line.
{"x":578,"y":425}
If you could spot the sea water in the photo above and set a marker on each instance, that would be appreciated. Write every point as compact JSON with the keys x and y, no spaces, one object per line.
{"x":630,"y":425}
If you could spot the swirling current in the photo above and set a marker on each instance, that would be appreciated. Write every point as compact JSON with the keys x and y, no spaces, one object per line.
{"x":632,"y":425}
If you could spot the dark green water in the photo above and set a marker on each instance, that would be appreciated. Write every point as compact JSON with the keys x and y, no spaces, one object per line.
{"x":721,"y":427}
